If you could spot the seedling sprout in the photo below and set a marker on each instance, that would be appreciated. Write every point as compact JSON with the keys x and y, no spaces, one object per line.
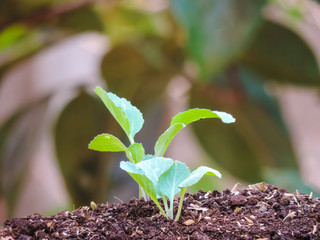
{"x":157,"y":176}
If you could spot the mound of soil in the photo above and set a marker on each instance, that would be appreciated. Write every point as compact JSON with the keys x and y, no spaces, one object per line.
{"x":261,"y":211}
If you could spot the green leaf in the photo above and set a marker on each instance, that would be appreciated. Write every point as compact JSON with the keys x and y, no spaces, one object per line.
{"x":107,"y":143}
{"x":146,"y":65}
{"x":154,"y":167}
{"x":260,"y":137}
{"x":116,"y":111}
{"x":82,"y":118}
{"x":137,"y":152}
{"x":83,"y":19}
{"x":148,"y":156}
{"x":11,"y":35}
{"x":218,"y":31}
{"x":131,"y":168}
{"x":197,"y":174}
{"x":166,"y":138}
{"x":196,"y":114}
{"x":181,"y":120}
{"x":289,"y":59}
{"x":138,"y":175}
{"x":133,"y":114}
{"x":128,"y":116}
{"x":169,"y":181}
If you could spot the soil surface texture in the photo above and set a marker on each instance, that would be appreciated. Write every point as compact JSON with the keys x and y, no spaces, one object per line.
{"x":261,"y":211}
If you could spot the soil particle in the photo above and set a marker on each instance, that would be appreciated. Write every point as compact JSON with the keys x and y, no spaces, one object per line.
{"x":261,"y":211}
{"x":237,"y":200}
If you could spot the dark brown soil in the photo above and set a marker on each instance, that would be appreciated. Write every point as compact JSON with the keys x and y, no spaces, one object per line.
{"x":260,"y":211}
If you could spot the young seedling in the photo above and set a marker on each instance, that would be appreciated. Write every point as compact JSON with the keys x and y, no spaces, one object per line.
{"x":157,"y":176}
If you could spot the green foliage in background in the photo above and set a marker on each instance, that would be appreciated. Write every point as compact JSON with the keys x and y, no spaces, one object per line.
{"x":226,"y":51}
{"x":218,"y":31}
{"x":82,"y":169}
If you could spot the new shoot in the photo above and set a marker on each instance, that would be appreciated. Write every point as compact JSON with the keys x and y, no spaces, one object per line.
{"x":157,"y":176}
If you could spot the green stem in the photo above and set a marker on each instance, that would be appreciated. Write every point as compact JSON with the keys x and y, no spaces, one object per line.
{"x":171,"y":210}
{"x":131,"y":140}
{"x":160,"y":208}
{"x":183,"y":191}
{"x":165,"y":202}
{"x":129,"y":156}
{"x":143,"y":194}
{"x":140,"y":192}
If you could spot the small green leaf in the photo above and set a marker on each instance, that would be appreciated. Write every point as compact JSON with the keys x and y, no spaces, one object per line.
{"x":155,"y":167}
{"x":181,"y":120}
{"x":166,"y":138}
{"x":137,"y":152}
{"x":196,"y":114}
{"x":148,"y":156}
{"x":128,"y":116}
{"x":130,"y":168}
{"x":197,"y":174}
{"x":170,"y":180}
{"x":107,"y":143}
{"x":133,"y":114}
{"x":138,"y":175}
{"x":115,"y":110}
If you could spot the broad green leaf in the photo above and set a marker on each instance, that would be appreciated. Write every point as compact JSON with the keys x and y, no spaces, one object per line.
{"x":197,"y":174}
{"x":183,"y":119}
{"x":128,"y":116}
{"x":82,"y":118}
{"x":107,"y":143}
{"x":131,"y":168}
{"x":148,"y":156}
{"x":146,"y":65}
{"x":259,"y":138}
{"x":137,"y":152}
{"x":154,"y":167}
{"x":139,"y":176}
{"x":196,"y":114}
{"x":217,"y":31}
{"x":169,"y":181}
{"x":289,"y":59}
{"x":166,"y":138}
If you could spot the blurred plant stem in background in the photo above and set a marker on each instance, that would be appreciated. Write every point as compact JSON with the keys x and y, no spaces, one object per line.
{"x":164,"y":56}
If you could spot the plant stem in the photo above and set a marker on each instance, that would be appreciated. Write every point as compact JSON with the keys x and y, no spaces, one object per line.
{"x":171,"y":210}
{"x":183,"y":191}
{"x":140,"y":192}
{"x":143,"y":194}
{"x":131,"y":140}
{"x":165,"y":202}
{"x":129,"y":156}
{"x":160,"y":208}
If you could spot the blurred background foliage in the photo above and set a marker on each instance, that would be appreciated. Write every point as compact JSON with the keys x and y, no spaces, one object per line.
{"x":223,"y":55}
